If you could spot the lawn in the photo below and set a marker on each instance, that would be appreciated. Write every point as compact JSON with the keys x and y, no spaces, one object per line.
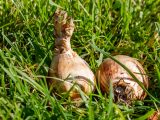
{"x":102,"y":28}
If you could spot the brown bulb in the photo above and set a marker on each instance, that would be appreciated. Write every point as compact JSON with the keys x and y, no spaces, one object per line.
{"x":67,"y":64}
{"x":124,"y":86}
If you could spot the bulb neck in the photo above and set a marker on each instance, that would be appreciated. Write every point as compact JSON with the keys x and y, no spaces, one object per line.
{"x":63,"y":30}
{"x":62,"y":45}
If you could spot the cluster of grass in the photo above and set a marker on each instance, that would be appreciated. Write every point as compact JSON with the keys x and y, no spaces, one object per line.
{"x":129,"y":27}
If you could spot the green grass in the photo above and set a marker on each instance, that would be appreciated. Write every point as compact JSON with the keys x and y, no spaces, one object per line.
{"x":130,"y":27}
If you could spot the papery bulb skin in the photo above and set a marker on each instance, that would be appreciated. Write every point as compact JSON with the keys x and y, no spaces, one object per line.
{"x":155,"y":115}
{"x":67,"y":64}
{"x":124,"y":86}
